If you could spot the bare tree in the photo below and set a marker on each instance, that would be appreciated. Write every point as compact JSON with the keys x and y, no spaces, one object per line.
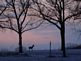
{"x":2,"y":9}
{"x":18,"y":20}
{"x":77,"y":19}
{"x":56,"y":12}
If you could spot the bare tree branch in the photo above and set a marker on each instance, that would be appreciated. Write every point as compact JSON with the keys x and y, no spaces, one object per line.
{"x":18,"y":20}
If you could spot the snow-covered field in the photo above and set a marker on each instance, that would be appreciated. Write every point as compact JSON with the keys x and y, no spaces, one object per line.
{"x":72,"y":55}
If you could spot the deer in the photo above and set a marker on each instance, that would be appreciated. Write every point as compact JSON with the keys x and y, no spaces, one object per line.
{"x":31,"y":47}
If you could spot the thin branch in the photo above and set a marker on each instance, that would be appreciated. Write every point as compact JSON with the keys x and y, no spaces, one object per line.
{"x":32,"y":27}
{"x":70,"y":16}
{"x":27,"y":6}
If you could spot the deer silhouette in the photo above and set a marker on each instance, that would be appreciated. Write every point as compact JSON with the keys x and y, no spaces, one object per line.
{"x":31,"y":47}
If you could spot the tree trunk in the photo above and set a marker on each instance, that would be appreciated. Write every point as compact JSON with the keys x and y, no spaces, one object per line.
{"x":20,"y":43}
{"x":62,"y":32}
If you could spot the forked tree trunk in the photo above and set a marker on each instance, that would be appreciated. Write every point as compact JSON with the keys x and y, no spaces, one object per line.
{"x":62,"y":32}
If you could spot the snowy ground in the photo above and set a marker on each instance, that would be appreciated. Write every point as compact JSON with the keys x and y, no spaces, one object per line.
{"x":72,"y":55}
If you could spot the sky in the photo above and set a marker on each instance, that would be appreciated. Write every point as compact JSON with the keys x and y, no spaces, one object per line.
{"x":40,"y":37}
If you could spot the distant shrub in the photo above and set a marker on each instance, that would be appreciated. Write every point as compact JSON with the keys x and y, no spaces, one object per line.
{"x":17,"y":49}
{"x":73,"y":46}
{"x":4,"y":50}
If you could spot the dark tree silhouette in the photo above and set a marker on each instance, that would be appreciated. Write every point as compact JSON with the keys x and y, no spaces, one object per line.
{"x":56,"y":12}
{"x":18,"y":20}
{"x":77,"y":22}
{"x":2,"y":9}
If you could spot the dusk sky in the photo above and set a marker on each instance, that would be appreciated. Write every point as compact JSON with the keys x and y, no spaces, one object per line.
{"x":40,"y":37}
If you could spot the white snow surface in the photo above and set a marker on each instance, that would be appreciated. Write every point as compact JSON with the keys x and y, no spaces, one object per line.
{"x":42,"y":55}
